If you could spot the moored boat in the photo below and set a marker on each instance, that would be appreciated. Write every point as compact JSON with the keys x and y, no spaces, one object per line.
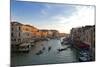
{"x":25,"y":47}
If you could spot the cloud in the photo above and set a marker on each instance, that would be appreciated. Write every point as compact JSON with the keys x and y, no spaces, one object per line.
{"x":60,"y":19}
{"x":83,"y":16}
{"x":44,"y":12}
{"x":46,"y":9}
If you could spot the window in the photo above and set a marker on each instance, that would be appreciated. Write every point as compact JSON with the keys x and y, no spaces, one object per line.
{"x":19,"y":28}
{"x":27,"y":34}
{"x":19,"y":40}
{"x":12,"y":34}
{"x":19,"y":34}
{"x":11,"y":29}
{"x":26,"y":29}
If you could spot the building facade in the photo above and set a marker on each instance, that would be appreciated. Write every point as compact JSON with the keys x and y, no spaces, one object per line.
{"x":28,"y":32}
{"x":15,"y":35}
{"x":21,"y":33}
{"x":85,"y":35}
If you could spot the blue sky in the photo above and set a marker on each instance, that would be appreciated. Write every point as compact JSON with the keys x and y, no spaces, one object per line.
{"x":44,"y":15}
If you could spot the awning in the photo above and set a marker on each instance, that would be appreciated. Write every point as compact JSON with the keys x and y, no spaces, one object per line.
{"x":82,"y":45}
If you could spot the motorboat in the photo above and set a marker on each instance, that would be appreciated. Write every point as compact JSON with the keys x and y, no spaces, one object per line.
{"x":25,"y":47}
{"x":62,"y":49}
{"x":43,"y":48}
{"x":84,"y":56}
{"x":40,"y":52}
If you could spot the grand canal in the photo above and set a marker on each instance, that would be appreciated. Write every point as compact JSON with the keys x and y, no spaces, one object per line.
{"x":47,"y":57}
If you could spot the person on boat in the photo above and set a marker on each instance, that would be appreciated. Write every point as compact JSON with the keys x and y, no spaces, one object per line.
{"x":40,"y":52}
{"x":49,"y":48}
{"x":43,"y":48}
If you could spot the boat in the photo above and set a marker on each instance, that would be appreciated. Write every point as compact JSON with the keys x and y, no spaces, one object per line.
{"x":40,"y":52}
{"x":65,"y":42}
{"x":49,"y":48}
{"x":25,"y":47}
{"x":62,"y":49}
{"x":84,"y":56}
{"x":43,"y":48}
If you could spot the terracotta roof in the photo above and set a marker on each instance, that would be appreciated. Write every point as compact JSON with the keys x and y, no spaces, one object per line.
{"x":16,"y":23}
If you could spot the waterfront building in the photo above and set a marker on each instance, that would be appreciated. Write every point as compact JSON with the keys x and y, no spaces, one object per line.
{"x":20,"y":34}
{"x":15,"y":35}
{"x":44,"y":33}
{"x":55,"y":33}
{"x":84,"y":37}
{"x":84,"y":34}
{"x":28,"y":32}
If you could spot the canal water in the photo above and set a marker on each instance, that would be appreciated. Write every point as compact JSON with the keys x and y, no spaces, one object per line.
{"x":47,"y":57}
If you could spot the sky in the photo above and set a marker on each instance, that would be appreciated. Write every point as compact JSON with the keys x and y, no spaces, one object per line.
{"x":61,"y":17}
